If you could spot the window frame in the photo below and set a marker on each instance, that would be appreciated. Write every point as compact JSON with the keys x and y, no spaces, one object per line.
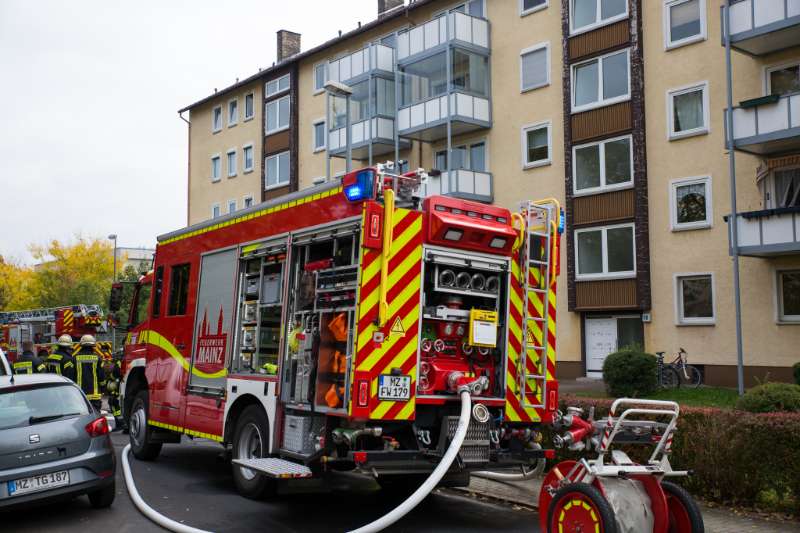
{"x":680,"y":320}
{"x":251,"y":116}
{"x":602,"y":153}
{"x":276,"y":103}
{"x":781,"y":317}
{"x":235,"y":101}
{"x":279,"y":184}
{"x":598,"y":23}
{"x":170,"y":301}
{"x":234,"y":203}
{"x":673,"y":202}
{"x":531,"y":49}
{"x":235,"y":162}
{"x":245,"y":198}
{"x":277,"y":81}
{"x":526,"y":165}
{"x":525,"y":12}
{"x":245,"y":168}
{"x":324,"y":65}
{"x":702,"y":36}
{"x":769,"y":69}
{"x":467,"y":147}
{"x":602,"y":102}
{"x":216,"y":128}
{"x":605,"y":275}
{"x":672,"y":135}
{"x":218,"y":208}
{"x":324,"y":145}
{"x":218,"y":177}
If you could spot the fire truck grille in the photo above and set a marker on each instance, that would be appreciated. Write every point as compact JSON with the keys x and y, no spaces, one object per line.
{"x":476,"y":443}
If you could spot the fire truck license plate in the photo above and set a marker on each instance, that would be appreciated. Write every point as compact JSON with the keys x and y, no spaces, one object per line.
{"x":38,"y":483}
{"x":394,"y":388}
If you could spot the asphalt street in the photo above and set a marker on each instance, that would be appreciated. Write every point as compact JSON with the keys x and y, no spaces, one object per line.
{"x":191,"y":484}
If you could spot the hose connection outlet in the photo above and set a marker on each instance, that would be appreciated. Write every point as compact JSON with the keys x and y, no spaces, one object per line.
{"x":458,"y":382}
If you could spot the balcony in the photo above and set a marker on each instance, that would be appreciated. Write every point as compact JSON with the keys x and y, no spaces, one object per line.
{"x":767,"y":126}
{"x":375,"y":59}
{"x":767,"y":233}
{"x":427,"y":120}
{"x":457,"y":28}
{"x":465,"y":184}
{"x":760,"y":27}
{"x":372,"y":137}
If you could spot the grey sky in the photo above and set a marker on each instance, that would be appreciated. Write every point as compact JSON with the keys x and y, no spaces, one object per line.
{"x":90,"y":140}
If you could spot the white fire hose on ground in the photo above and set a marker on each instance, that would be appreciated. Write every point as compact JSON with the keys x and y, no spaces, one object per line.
{"x":378,"y":525}
{"x":538,"y":470}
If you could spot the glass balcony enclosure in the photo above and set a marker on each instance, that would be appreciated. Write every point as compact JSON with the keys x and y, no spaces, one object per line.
{"x":761,"y":27}
{"x":455,"y":27}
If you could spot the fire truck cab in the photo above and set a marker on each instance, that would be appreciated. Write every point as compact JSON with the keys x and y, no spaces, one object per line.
{"x":331,"y":329}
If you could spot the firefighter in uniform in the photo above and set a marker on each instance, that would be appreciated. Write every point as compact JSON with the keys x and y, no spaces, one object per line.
{"x":113,"y":375}
{"x":28,"y":362}
{"x":61,"y":361}
{"x":89,"y":370}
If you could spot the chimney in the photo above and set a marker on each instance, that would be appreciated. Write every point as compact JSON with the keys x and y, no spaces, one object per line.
{"x":288,"y":44}
{"x":384,"y":6}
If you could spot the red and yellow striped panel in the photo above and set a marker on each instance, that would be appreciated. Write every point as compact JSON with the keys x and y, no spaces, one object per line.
{"x":67,"y":320}
{"x":398,"y":350}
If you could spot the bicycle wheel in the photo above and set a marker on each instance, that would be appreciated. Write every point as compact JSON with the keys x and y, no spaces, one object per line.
{"x":695,"y":376}
{"x":670,"y":379}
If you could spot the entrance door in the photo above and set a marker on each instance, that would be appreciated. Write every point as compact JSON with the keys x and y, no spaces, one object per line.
{"x":605,"y":335}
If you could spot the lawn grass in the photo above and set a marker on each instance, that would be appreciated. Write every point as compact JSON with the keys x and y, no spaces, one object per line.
{"x":700,"y":397}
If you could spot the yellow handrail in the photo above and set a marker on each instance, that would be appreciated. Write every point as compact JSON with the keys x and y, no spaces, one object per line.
{"x":388,"y":230}
{"x":521,"y":237}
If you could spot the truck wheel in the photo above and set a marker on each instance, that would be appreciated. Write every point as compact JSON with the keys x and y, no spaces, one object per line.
{"x":251,"y":441}
{"x":684,"y":514}
{"x":141,"y":435}
{"x":580,"y":507}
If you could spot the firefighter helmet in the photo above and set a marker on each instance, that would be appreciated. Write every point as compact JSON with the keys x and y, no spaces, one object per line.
{"x":65,"y":341}
{"x":88,"y":340}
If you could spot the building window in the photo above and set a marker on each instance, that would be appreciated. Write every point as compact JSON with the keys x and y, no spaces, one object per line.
{"x":231,"y":163}
{"x":602,"y":166}
{"x":233,"y":112}
{"x":231,"y":206}
{"x":784,"y":79}
{"x":536,"y":145}
{"x":787,"y":188}
{"x":688,"y":111}
{"x":789,"y":296}
{"x":427,"y":78}
{"x":526,"y":7}
{"x":319,"y":135}
{"x":601,"y":81}
{"x":247,"y":201}
{"x":605,"y":252}
{"x":178,"y":289}
{"x":535,"y":67}
{"x":277,"y":170}
{"x":215,"y":168}
{"x":695,"y":299}
{"x":684,"y":22}
{"x":215,"y":211}
{"x":588,"y":14}
{"x":249,"y":106}
{"x":320,"y":77}
{"x":691,"y":203}
{"x":247,"y":158}
{"x":277,"y":115}
{"x":465,"y":157}
{"x":278,"y":85}
{"x":216,"y":119}
{"x":473,"y":8}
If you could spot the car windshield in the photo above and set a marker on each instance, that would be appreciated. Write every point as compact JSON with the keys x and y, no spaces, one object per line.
{"x":34,"y":405}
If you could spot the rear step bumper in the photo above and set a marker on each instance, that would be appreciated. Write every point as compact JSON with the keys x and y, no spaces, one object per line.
{"x":275,"y":467}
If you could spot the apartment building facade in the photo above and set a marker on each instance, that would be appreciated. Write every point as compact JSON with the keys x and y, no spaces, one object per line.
{"x":615,"y":108}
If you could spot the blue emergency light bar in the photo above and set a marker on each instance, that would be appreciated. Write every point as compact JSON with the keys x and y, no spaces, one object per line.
{"x":359,"y":185}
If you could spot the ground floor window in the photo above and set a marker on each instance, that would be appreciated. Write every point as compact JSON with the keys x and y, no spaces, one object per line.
{"x":695,"y":299}
{"x":789,"y":296}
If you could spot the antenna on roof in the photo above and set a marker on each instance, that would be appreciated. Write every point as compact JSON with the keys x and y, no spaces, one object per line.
{"x":340,"y":33}
{"x":359,"y":23}
{"x":215,"y":89}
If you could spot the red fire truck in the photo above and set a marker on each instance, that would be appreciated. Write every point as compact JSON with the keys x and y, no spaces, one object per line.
{"x":332,"y":328}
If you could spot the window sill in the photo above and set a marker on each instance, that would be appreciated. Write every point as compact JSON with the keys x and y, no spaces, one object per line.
{"x":685,"y":42}
{"x":537,"y":164}
{"x":533,"y":10}
{"x":524,"y":90}
{"x":691,"y":227}
{"x":704,"y":323}
{"x":273,"y":132}
{"x":318,"y":91}
{"x":784,"y":322}
{"x":598,"y":105}
{"x":318,"y":150}
{"x":687,"y":134}
{"x":605,"y":277}
{"x":278,"y":186}
{"x":248,"y":119}
{"x":216,"y":180}
{"x":216,"y":131}
{"x":602,"y":190}
{"x":247,"y":171}
{"x":596,"y":25}
{"x":232,"y":125}
{"x":231,"y":176}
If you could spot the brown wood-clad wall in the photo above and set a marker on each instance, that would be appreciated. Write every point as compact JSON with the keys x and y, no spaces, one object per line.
{"x":279,"y":142}
{"x":600,"y":40}
{"x":601,"y":122}
{"x":602,"y":208}
{"x":606,"y":295}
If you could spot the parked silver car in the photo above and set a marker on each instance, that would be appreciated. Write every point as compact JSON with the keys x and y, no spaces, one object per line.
{"x":5,"y":368}
{"x":53,"y":443}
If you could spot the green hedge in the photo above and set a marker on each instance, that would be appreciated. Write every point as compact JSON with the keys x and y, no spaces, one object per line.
{"x":736,"y":457}
{"x":771,"y":398}
{"x":630,"y":373}
{"x":796,"y":368}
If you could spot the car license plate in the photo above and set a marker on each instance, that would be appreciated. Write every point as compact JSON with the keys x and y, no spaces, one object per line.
{"x":394,"y":388}
{"x":38,"y":483}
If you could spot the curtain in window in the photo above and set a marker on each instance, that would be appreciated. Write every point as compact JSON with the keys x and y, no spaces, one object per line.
{"x":534,"y":69}
{"x":688,"y":110}
{"x":684,"y":20}
{"x":787,"y":187}
{"x":537,"y":145}
{"x":691,"y":203}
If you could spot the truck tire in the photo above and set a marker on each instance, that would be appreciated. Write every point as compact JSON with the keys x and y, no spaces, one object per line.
{"x":684,"y":514}
{"x":251,"y":441}
{"x":141,"y":434}
{"x":592,"y":512}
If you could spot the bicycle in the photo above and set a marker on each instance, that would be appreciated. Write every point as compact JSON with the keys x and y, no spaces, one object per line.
{"x":689,"y":374}
{"x":668,"y":377}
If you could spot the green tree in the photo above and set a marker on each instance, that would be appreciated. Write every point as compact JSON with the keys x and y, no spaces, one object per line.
{"x":15,"y":281}
{"x":128,"y":276}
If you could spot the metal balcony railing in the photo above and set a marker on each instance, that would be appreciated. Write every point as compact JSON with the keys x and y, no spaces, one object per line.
{"x":427,"y":119}
{"x":462,"y":183}
{"x":378,"y":131}
{"x":767,"y":233}
{"x":768,"y":125}
{"x":466,"y":29}
{"x":761,"y":27}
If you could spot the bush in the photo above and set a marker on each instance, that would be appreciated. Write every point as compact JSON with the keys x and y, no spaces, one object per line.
{"x":630,"y":373}
{"x":797,"y":373}
{"x":770,"y":398}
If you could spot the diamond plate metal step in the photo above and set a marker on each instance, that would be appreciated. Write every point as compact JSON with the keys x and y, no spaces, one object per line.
{"x":275,"y":467}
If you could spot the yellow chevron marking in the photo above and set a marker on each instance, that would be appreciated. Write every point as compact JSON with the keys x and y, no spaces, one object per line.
{"x":376,"y":355}
{"x":155,"y":339}
{"x":394,"y":306}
